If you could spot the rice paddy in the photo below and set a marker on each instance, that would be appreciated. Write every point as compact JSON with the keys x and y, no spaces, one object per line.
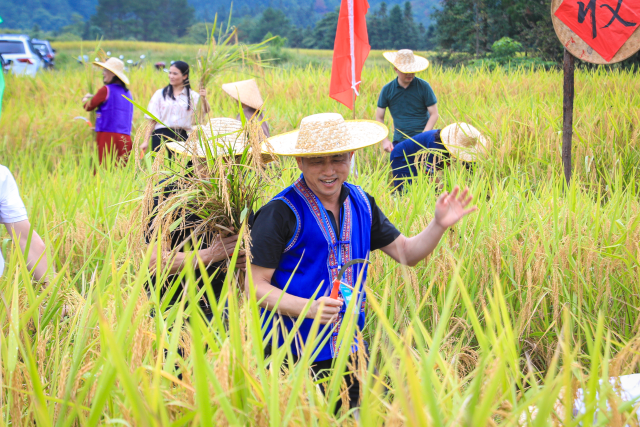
{"x":524,"y":302}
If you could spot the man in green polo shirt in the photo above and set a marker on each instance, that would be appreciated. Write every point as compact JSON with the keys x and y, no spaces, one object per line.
{"x":410,"y":100}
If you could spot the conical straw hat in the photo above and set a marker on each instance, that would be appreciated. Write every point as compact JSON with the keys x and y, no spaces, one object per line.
{"x":464,"y":142}
{"x":116,"y":66}
{"x":326,"y":134}
{"x":247,"y":91}
{"x":405,"y":61}
{"x":217,"y":136}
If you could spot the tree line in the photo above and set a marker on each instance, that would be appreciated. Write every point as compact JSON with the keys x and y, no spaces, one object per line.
{"x":461,"y":31}
{"x":383,"y":25}
{"x":172,"y":21}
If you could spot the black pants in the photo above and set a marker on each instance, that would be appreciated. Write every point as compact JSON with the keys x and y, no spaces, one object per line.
{"x":162,"y":134}
{"x":323,"y":369}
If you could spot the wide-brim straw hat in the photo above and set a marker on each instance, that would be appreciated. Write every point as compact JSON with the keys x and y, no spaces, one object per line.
{"x":464,"y":142}
{"x":116,"y":66}
{"x":327,"y":134}
{"x":217,"y":136}
{"x":245,"y":91}
{"x":405,"y":61}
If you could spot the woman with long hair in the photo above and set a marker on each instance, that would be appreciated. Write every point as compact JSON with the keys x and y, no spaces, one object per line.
{"x":174,"y":106}
{"x":115,"y":113}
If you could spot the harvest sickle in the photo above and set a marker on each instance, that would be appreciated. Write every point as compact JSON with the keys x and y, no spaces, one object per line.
{"x":336,"y":282}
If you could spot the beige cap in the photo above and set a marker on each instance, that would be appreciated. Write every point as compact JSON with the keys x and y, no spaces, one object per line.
{"x":464,"y":142}
{"x":246,"y":91}
{"x":116,"y":66}
{"x":326,"y":134}
{"x":405,"y":61}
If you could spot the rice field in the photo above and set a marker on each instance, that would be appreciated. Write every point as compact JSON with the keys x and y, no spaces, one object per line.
{"x":524,"y":302}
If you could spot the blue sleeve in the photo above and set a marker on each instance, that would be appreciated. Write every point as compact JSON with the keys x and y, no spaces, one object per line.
{"x":383,"y":99}
{"x":429,"y":96}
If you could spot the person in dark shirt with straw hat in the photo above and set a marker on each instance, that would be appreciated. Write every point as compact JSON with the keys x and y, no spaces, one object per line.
{"x":215,"y":248}
{"x":411,"y":102}
{"x":115,"y":113}
{"x":248,"y":93}
{"x":306,"y":234}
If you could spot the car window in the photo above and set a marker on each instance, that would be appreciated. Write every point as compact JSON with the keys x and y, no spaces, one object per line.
{"x":11,"y":46}
{"x":41,"y":47}
{"x":35,"y":51}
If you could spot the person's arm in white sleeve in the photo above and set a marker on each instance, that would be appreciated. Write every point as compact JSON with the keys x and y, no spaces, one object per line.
{"x":13,"y":215}
{"x":37,"y":256}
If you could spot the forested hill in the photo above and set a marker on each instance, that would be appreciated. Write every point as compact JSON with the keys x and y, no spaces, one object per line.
{"x":52,"y":15}
{"x":49,"y":15}
{"x":302,"y":13}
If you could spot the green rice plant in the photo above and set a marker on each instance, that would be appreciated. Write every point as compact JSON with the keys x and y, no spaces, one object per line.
{"x":222,"y":54}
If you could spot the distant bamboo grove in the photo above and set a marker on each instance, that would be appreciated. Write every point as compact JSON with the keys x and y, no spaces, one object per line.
{"x":531,"y":298}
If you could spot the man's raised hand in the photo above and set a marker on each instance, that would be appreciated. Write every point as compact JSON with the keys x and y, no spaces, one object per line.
{"x":451,"y":208}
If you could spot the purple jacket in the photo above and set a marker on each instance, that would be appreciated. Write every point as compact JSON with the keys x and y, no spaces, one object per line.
{"x":116,"y":113}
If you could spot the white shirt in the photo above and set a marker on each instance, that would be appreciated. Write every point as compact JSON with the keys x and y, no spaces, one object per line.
{"x":11,"y":207}
{"x":173,"y":113}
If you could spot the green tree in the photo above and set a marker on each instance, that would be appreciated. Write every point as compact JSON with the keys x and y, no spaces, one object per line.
{"x":198,"y":33}
{"x":410,"y":35}
{"x":324,"y":34}
{"x":271,"y":20}
{"x":296,"y":37}
{"x":153,"y":20}
{"x":379,"y":28}
{"x":396,"y":38}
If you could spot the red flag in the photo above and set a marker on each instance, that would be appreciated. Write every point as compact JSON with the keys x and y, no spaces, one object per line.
{"x":350,"y":50}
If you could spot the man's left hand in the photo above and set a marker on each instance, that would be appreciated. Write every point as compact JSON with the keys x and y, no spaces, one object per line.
{"x":451,"y":208}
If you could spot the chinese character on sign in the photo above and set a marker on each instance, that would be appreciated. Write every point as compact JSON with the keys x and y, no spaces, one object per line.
{"x":605,"y":25}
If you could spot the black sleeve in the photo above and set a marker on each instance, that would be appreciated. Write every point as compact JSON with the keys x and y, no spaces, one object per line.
{"x":273,"y":227}
{"x":383,"y":232}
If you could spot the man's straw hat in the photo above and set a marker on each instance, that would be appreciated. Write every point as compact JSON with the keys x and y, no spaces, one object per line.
{"x":219,"y":134}
{"x":247,"y":91}
{"x":464,"y":142}
{"x":116,"y":66}
{"x":326,"y":134}
{"x":405,"y":61}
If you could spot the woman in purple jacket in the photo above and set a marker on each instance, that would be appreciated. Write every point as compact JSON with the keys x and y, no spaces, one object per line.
{"x":115,"y":113}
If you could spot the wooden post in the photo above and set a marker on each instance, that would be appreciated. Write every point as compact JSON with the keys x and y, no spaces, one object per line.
{"x":567,"y":113}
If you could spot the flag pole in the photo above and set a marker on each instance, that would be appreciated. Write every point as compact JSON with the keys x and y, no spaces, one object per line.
{"x":353,"y":94}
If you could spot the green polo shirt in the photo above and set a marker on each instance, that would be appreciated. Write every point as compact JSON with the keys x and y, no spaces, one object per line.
{"x":408,"y":107}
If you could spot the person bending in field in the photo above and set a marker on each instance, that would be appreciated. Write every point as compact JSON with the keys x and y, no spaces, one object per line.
{"x":248,"y":93}
{"x":174,"y":105}
{"x":305,"y":234}
{"x":214,"y":250}
{"x":13,"y":215}
{"x":115,"y":113}
{"x":410,"y":100}
{"x":458,"y":140}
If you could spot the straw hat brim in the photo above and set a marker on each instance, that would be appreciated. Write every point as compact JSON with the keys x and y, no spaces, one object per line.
{"x":118,"y":73}
{"x":420,"y":63}
{"x":467,"y":154}
{"x":363,"y":134}
{"x":181,"y":148}
{"x":253,"y":99}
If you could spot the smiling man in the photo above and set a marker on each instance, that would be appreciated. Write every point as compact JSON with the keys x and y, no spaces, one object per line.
{"x":413,"y":107}
{"x":304,"y":235}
